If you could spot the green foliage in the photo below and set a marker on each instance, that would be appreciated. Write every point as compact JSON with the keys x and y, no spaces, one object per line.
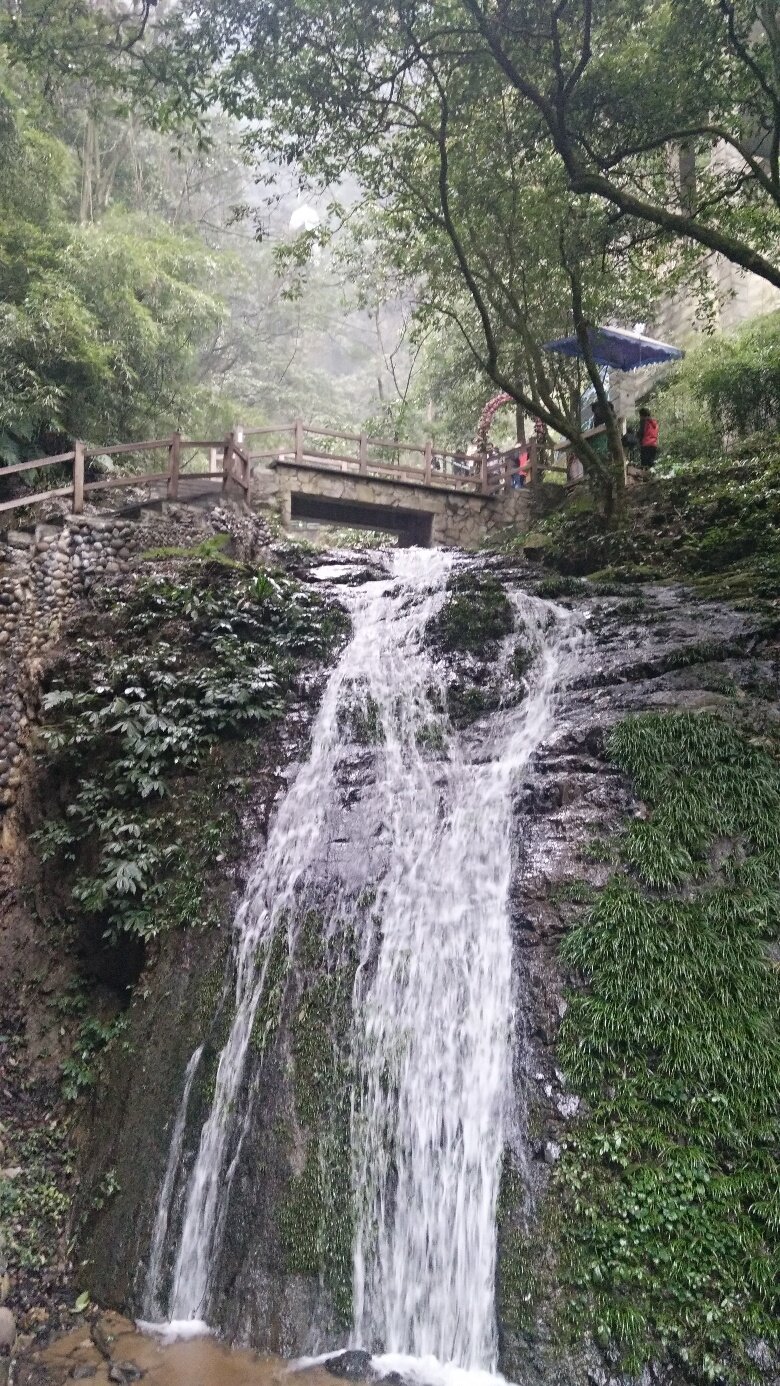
{"x":211,"y":550}
{"x":80,"y":1069}
{"x":193,"y":664}
{"x":672,"y":1222}
{"x":466,"y":702}
{"x":714,"y":520}
{"x":554,"y":587}
{"x":727,"y":386}
{"x":475,"y":613}
{"x":102,"y":326}
{"x":34,"y":1203}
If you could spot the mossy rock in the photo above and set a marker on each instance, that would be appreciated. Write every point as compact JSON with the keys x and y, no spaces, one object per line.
{"x":668,"y":1182}
{"x":467,"y":702}
{"x":522,"y":659}
{"x":361,"y":722}
{"x":476,"y":614}
{"x":552,"y":588}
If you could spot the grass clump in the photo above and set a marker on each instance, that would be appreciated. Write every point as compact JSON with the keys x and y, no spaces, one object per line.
{"x":670,"y":1184}
{"x":554,"y":587}
{"x":211,"y":550}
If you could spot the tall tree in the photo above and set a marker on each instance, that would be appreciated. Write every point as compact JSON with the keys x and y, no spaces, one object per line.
{"x":670,"y":111}
{"x":466,"y":192}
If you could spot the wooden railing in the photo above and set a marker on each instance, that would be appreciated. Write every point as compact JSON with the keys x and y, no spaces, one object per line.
{"x":233,"y":460}
{"x":482,"y":475}
{"x":227,"y":462}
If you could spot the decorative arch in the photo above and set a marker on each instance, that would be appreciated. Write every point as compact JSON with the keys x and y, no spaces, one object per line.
{"x":487,"y":416}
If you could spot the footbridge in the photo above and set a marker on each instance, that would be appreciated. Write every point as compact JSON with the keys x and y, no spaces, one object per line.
{"x":422,"y":494}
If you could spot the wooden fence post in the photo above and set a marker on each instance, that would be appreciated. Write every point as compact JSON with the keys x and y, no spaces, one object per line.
{"x":298,"y":440}
{"x":213,"y":468}
{"x":363,"y":454}
{"x":227,"y":462}
{"x":78,"y":477}
{"x":174,"y":462}
{"x":428,"y":460}
{"x":483,"y":473}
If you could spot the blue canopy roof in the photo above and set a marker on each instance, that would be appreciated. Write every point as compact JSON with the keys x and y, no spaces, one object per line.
{"x":622,"y":351}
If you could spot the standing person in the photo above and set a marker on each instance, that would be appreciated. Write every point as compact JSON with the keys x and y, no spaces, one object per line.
{"x":648,"y":437}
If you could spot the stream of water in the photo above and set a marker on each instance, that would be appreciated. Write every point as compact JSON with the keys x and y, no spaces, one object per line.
{"x":433,"y":1003}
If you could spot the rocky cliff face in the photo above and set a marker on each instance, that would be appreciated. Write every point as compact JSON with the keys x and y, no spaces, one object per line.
{"x":615,"y":1160}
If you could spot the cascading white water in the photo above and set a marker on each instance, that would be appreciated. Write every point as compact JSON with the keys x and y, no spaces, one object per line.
{"x":433,"y":993}
{"x":152,"y":1305}
{"x":434,"y":1004}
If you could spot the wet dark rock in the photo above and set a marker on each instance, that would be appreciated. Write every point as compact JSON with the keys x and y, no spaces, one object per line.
{"x":124,"y":1372}
{"x":353,"y":1365}
{"x":84,"y":1372}
{"x":101,"y":1339}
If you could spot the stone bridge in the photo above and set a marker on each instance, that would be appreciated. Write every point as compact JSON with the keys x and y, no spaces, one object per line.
{"x":417,"y":511}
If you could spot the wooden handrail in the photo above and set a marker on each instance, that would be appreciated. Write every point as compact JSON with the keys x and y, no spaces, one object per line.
{"x":137,"y":479}
{"x":331,"y":433}
{"x":276,"y":428}
{"x":38,"y":498}
{"x":40,"y":462}
{"x":128,"y":447}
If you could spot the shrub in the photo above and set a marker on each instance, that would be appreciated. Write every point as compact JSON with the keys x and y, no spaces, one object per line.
{"x":727,"y":386}
{"x":131,"y":737}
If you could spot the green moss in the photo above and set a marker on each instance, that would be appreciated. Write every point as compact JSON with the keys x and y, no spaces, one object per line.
{"x":672,"y":1220}
{"x":522,"y":659}
{"x":316,"y":1218}
{"x":466,"y":702}
{"x":517,"y":1283}
{"x":362,"y":720}
{"x":552,"y":588}
{"x":211,"y":549}
{"x":269,"y":1008}
{"x":475,"y":614}
{"x":431,"y":738}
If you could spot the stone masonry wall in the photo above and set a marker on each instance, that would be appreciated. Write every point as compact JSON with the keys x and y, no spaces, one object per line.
{"x":46,"y":570}
{"x":459,"y":520}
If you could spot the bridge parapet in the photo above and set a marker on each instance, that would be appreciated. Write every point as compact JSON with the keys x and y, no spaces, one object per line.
{"x":417,"y":511}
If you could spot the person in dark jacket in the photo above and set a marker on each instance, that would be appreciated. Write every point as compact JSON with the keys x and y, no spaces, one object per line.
{"x":648,"y":437}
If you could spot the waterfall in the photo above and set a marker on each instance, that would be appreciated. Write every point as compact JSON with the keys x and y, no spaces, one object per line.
{"x":434,"y":1007}
{"x":433,"y":1002}
{"x":152,"y":1306}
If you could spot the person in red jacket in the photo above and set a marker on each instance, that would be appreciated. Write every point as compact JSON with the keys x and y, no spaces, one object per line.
{"x":648,"y":437}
